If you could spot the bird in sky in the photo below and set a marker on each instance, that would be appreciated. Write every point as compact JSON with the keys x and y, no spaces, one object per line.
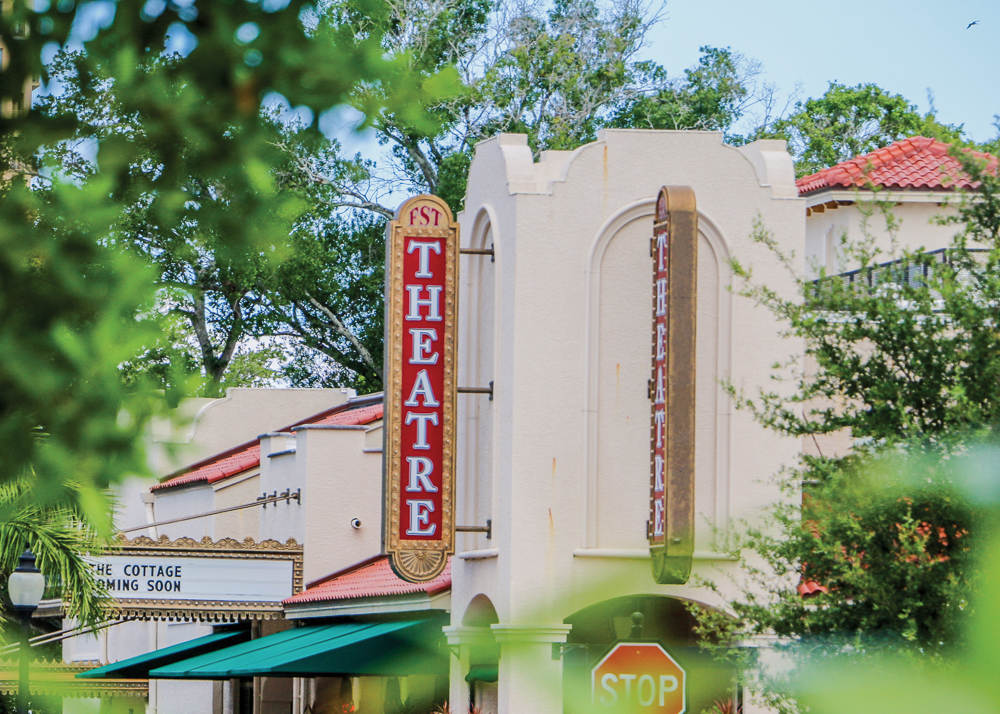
{"x":971,"y":24}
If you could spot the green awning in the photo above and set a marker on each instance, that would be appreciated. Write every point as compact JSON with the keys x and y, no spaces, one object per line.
{"x":387,"y":649}
{"x":138,"y":667}
{"x":483,"y":673}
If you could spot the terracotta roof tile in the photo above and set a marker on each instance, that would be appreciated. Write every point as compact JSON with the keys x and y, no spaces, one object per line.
{"x":361,"y":415}
{"x":247,"y":456}
{"x":915,"y":163}
{"x":371,"y":579}
{"x":228,"y":463}
{"x":808,"y":588}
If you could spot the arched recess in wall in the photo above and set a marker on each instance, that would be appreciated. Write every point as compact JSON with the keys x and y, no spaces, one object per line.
{"x":484,"y":655}
{"x":618,"y":344}
{"x":669,"y":620}
{"x":475,"y":411}
{"x":480,"y":612}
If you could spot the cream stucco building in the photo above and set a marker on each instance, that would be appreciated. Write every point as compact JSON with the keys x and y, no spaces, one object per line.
{"x":556,"y":319}
{"x":560,"y":322}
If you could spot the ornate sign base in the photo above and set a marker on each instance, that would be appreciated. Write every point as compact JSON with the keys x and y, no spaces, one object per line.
{"x":670,"y":570}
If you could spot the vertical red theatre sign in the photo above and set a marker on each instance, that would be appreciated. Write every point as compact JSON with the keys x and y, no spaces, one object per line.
{"x":674,"y":252}
{"x":421,"y":313}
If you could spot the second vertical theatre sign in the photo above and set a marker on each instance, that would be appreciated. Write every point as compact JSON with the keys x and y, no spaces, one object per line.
{"x":419,"y":453}
{"x":674,"y":253}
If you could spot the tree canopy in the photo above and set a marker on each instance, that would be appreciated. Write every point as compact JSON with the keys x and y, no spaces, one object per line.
{"x":308,"y":310}
{"x":557,"y":74}
{"x":876,"y":550}
{"x":248,"y":243}
{"x":182,"y":162}
{"x":850,"y":121}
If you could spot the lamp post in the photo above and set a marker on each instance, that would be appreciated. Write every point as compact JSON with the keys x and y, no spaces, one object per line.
{"x":25,"y":586}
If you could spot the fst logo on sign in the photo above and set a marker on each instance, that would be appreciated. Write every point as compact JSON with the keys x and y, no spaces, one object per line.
{"x":639,"y":676}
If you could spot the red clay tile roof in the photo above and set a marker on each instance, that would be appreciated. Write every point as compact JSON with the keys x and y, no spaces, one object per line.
{"x":361,"y":415}
{"x":247,"y":456}
{"x":371,"y":578}
{"x":220,"y":466}
{"x":914,"y":163}
{"x":808,"y":588}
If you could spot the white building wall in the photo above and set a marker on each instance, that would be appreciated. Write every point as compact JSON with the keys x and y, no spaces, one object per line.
{"x":857,"y":217}
{"x":203,"y":427}
{"x":244,"y":414}
{"x":178,"y":697}
{"x":281,"y":471}
{"x":186,"y":501}
{"x":477,"y":340}
{"x":342,"y":480}
{"x":569,"y":424}
{"x":237,"y":491}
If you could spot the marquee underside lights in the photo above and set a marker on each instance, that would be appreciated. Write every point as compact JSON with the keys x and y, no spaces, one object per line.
{"x":674,"y":253}
{"x":420,"y":390}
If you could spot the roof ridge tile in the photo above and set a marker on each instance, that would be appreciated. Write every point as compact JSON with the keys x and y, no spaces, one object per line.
{"x":917,"y":162}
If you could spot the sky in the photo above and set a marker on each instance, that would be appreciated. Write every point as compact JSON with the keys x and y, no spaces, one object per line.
{"x":904,"y":46}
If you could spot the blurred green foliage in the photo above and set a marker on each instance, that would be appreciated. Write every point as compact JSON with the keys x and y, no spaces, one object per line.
{"x":962,"y":677}
{"x":184,"y":151}
{"x":876,"y":553}
{"x":885,"y":562}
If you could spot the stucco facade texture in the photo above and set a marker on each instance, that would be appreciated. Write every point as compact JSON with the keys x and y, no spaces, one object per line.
{"x":560,"y":322}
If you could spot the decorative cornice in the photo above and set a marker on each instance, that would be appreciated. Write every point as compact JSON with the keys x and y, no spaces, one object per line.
{"x":206,"y":543}
{"x":461,"y":635}
{"x":207,"y":611}
{"x":527,"y":634}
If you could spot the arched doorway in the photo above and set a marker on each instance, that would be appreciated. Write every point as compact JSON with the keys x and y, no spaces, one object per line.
{"x":484,"y":655}
{"x":669,"y":621}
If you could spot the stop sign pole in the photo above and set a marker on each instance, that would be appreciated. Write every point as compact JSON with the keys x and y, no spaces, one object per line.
{"x":638,"y":677}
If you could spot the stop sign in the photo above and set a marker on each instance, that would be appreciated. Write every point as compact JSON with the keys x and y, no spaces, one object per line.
{"x":638,"y":677}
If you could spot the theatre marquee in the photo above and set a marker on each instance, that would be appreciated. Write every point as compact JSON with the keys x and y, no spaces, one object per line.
{"x":186,"y":579}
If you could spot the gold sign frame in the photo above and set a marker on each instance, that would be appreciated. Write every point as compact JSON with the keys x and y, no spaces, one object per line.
{"x":207,"y":610}
{"x":419,"y":560}
{"x":672,"y":387}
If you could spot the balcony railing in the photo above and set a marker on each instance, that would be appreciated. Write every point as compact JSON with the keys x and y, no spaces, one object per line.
{"x":903,"y":271}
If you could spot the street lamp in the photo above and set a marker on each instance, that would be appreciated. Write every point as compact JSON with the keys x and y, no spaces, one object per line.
{"x":25,"y":586}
